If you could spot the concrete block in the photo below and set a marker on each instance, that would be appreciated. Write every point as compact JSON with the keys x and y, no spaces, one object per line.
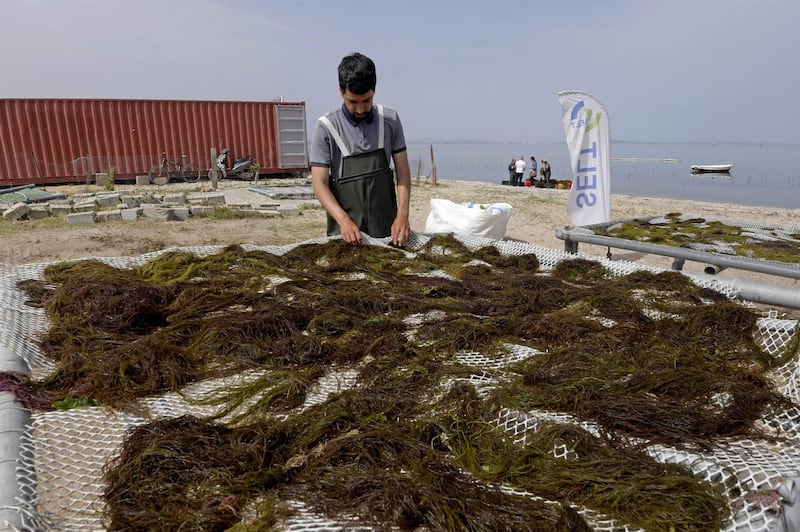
{"x":180,"y":213}
{"x":130,"y":215}
{"x":60,"y":209}
{"x":114,"y":215}
{"x":101,"y":179}
{"x":107,"y":200}
{"x":158,"y":213}
{"x":60,"y":201}
{"x":16,"y":211}
{"x":288,"y":211}
{"x":81,"y":218}
{"x":199,"y":197}
{"x":160,"y":180}
{"x":38,"y":212}
{"x":142,"y":179}
{"x":130,"y":200}
{"x":84,"y":206}
{"x":215,"y":197}
{"x":201,"y":210}
{"x":178,"y":199}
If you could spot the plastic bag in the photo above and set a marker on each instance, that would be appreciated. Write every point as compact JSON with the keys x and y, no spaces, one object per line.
{"x":488,"y":220}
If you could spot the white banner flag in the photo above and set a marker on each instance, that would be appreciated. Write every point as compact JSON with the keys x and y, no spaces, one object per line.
{"x":586,"y":128}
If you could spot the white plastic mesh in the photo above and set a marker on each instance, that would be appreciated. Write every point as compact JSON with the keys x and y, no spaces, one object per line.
{"x":63,"y":453}
{"x":766,"y":230}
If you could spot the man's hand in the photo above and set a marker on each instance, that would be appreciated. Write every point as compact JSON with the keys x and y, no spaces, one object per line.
{"x":319,"y":181}
{"x":350,"y":232}
{"x":401,"y":231}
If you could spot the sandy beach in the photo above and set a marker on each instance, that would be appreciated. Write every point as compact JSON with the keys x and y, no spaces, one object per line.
{"x":536,"y":215}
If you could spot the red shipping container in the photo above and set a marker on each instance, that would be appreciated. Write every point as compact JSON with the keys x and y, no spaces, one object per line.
{"x":69,"y":140}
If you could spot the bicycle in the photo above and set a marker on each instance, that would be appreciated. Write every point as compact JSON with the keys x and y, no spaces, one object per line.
{"x":186,"y":171}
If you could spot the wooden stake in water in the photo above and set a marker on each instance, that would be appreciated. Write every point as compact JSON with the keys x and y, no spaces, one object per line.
{"x":433,"y":167}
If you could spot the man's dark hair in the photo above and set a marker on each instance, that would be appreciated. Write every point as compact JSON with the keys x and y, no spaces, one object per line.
{"x":357,"y":73}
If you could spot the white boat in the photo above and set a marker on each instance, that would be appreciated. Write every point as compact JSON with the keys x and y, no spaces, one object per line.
{"x":702,"y":168}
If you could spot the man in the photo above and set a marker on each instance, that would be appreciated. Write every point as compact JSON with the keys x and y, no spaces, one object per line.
{"x":518,"y":171}
{"x":350,"y":151}
{"x":546,"y":171}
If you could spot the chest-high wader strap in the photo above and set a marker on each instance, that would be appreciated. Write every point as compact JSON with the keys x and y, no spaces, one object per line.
{"x":365,"y":189}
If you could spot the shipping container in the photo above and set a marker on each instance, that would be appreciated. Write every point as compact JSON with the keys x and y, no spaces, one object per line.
{"x":71,"y":140}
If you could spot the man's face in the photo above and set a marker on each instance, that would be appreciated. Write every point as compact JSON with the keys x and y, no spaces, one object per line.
{"x":359,"y":105}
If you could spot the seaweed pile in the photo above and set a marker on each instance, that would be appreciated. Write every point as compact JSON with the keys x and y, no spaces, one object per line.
{"x":649,"y":358}
{"x":677,"y":230}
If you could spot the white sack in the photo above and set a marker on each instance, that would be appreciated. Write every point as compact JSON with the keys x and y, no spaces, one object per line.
{"x":488,"y":220}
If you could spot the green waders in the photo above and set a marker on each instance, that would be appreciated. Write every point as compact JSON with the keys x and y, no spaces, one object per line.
{"x":365,"y":189}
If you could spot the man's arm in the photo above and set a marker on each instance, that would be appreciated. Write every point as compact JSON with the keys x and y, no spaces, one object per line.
{"x":319,"y":182}
{"x":401,"y":227}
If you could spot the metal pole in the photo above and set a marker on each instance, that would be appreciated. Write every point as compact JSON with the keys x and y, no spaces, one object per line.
{"x":755,"y":292}
{"x":682,"y":254}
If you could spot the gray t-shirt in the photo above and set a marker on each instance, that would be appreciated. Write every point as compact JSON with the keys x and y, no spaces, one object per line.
{"x":358,"y":137}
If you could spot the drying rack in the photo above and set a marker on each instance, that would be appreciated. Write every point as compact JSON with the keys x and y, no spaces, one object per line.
{"x":715,"y":257}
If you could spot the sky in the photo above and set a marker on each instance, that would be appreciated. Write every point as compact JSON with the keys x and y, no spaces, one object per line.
{"x":665,"y":70}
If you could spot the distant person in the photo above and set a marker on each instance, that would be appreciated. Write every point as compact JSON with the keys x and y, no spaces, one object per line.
{"x":546,"y":171}
{"x":532,"y":173}
{"x":519,"y":170}
{"x":350,"y":171}
{"x":512,"y":169}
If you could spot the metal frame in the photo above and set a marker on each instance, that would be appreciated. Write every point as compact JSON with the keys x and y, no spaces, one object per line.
{"x":586,"y":234}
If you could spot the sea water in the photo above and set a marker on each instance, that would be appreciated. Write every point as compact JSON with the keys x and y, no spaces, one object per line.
{"x":763,"y":174}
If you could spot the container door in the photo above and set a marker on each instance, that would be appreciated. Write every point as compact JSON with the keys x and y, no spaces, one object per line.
{"x":292,"y":143}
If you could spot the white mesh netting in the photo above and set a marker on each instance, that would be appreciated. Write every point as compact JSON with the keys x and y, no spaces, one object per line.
{"x":61,"y":454}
